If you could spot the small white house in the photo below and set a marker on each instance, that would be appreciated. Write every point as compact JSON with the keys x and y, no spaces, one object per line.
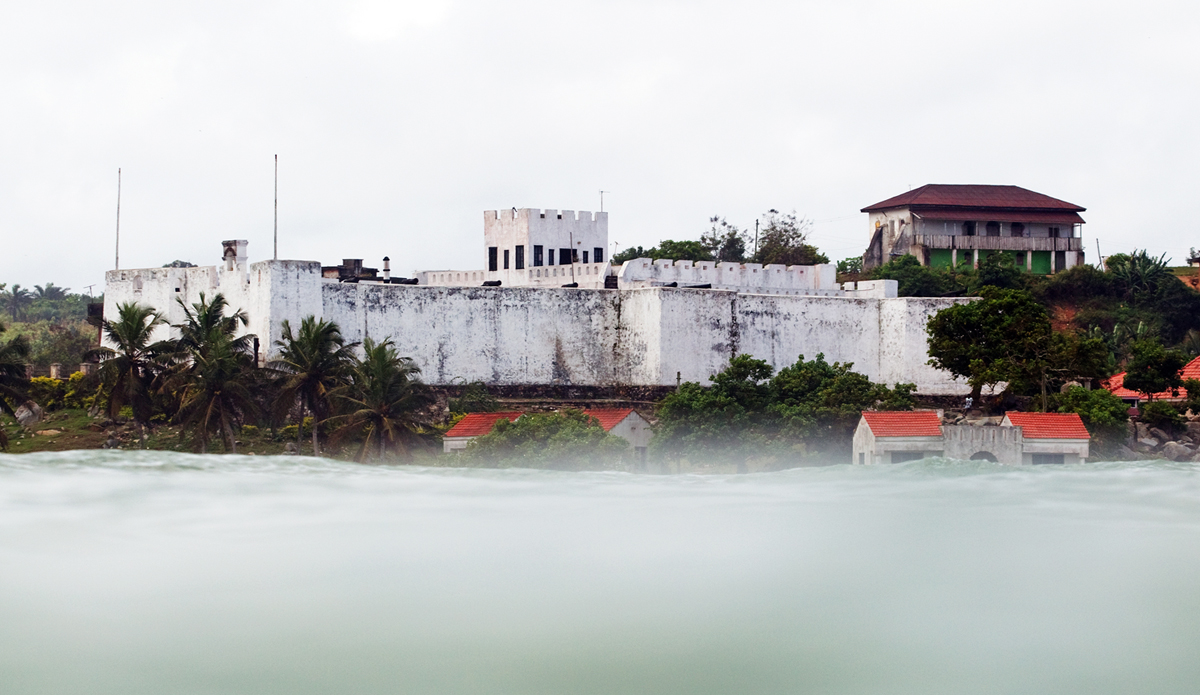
{"x":1021,"y":438}
{"x":625,"y":423}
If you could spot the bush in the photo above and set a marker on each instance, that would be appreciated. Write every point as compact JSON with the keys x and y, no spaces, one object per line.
{"x":288,"y":433}
{"x":250,"y":430}
{"x":1102,"y":413}
{"x":1162,"y":415}
{"x":566,"y":440}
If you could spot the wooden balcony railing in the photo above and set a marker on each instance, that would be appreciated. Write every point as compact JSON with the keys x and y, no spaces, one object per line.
{"x":1003,"y":243}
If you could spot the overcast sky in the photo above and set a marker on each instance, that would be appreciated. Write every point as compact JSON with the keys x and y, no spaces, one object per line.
{"x":398,"y":123}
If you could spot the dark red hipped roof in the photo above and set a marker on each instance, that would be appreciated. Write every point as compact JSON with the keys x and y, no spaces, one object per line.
{"x":479,"y":424}
{"x":1049,"y":425}
{"x":974,"y":196}
{"x":1116,"y":384}
{"x":917,"y":423}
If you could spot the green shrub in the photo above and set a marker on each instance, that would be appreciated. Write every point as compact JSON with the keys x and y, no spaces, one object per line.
{"x":567,"y":440}
{"x":1104,"y":414}
{"x":250,"y":430}
{"x":1162,"y":415}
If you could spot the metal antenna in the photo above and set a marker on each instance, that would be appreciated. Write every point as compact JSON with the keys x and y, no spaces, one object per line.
{"x":755,"y":238}
{"x":276,"y":207}
{"x":117,"y":260}
{"x":602,"y":199}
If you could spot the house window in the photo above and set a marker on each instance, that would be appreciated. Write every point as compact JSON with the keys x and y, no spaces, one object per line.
{"x":537,"y":256}
{"x":862,"y":459}
{"x":993,"y":229}
{"x":492,"y":258}
{"x":597,"y":255}
{"x":550,"y":257}
{"x":1018,"y":229}
{"x":564,"y":256}
{"x":585,"y":260}
{"x":1054,"y":232}
{"x":1041,"y":459}
{"x":521,"y":257}
{"x":968,"y":229}
{"x":506,"y":259}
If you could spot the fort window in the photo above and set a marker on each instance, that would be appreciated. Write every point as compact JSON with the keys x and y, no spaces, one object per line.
{"x":968,"y":229}
{"x":506,"y":259}
{"x":537,"y":257}
{"x":993,"y":229}
{"x":521,"y":257}
{"x":1018,"y":229}
{"x":564,"y":256}
{"x":585,"y":260}
{"x":492,"y":258}
{"x":598,"y":255}
{"x":550,"y":257}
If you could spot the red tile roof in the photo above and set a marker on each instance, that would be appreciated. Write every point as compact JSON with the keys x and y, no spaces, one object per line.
{"x":1116,"y":384}
{"x":609,"y":417}
{"x":1049,"y":425}
{"x":479,"y":424}
{"x":917,"y":423}
{"x":975,"y":196}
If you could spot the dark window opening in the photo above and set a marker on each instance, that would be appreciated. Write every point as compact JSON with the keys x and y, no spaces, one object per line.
{"x":1042,"y":459}
{"x":1054,"y":234}
{"x":585,"y":260}
{"x":968,"y":229}
{"x":1018,"y":229}
{"x":574,"y":255}
{"x":1060,"y":260}
{"x":520,"y":258}
{"x":537,"y":256}
{"x":550,"y":257}
{"x":564,"y":256}
{"x":903,"y":456}
{"x":598,"y":255}
{"x":993,"y":229}
{"x":492,"y":258}
{"x":506,"y":259}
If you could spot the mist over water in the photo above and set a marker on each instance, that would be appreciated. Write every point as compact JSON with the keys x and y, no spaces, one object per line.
{"x":156,"y":572}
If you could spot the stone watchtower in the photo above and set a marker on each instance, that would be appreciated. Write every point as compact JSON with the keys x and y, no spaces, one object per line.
{"x":530,"y":238}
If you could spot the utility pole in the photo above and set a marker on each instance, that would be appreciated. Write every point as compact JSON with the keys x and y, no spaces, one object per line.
{"x":117,"y":260}
{"x":276,"y":207}
{"x":756,"y":238}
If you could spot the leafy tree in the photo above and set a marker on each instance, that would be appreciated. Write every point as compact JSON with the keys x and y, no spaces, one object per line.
{"x":1140,"y":272}
{"x":385,"y":401}
{"x":1103,"y":413}
{"x":724,"y":241}
{"x":1162,"y":415}
{"x":1153,"y":368}
{"x":179,"y":264}
{"x":729,"y":415}
{"x":314,"y":361}
{"x":681,"y":251}
{"x":475,"y":398}
{"x":210,"y":376}
{"x":846,"y":266}
{"x":996,"y":270}
{"x":1061,"y":357}
{"x":130,"y":370}
{"x":784,"y":239}
{"x":566,"y":440}
{"x":631,"y":253}
{"x":14,"y":385}
{"x":916,"y":280}
{"x":989,"y":340}
{"x":821,"y":402}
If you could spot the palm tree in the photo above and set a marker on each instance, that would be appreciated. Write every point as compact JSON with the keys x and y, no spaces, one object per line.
{"x":315,"y":361}
{"x":50,"y":291}
{"x":17,"y":299}
{"x":212,"y":364}
{"x":13,"y":382}
{"x":384,"y":400}
{"x":129,"y":371}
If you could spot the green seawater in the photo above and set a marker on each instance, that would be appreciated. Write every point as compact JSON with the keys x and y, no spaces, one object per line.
{"x":161,"y":573}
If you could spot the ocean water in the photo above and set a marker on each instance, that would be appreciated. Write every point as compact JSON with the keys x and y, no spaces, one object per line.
{"x":154,"y":572}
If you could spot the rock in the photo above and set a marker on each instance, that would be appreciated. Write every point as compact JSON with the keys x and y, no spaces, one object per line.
{"x":47,"y":433}
{"x":29,"y":414}
{"x":95,"y":427}
{"x":94,"y":412}
{"x":1187,"y":440}
{"x":1147,"y":445}
{"x":1143,"y":430}
{"x":1175,"y":451}
{"x":1160,"y":435}
{"x":1124,"y":453}
{"x":111,"y":442}
{"x":1193,"y":429}
{"x":289,"y":448}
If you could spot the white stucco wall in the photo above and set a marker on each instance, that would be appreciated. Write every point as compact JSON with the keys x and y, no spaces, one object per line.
{"x":513,"y":335}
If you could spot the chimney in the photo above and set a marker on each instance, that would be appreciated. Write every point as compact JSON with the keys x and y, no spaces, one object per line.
{"x":387,"y":269}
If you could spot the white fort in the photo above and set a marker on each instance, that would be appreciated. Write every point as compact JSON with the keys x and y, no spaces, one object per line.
{"x":555,"y":311}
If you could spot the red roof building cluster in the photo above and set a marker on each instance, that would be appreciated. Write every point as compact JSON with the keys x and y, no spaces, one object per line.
{"x":917,"y":423}
{"x":1116,"y":384}
{"x":1049,"y":425}
{"x":479,"y":424}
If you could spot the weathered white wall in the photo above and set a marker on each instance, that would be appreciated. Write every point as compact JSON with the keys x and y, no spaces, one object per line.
{"x":586,"y":274}
{"x":514,"y":335}
{"x":771,"y":279}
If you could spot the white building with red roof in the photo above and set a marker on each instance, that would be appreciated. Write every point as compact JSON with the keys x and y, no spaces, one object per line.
{"x":948,"y":225}
{"x":625,"y":423}
{"x":1020,"y":438}
{"x":1116,"y":385}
